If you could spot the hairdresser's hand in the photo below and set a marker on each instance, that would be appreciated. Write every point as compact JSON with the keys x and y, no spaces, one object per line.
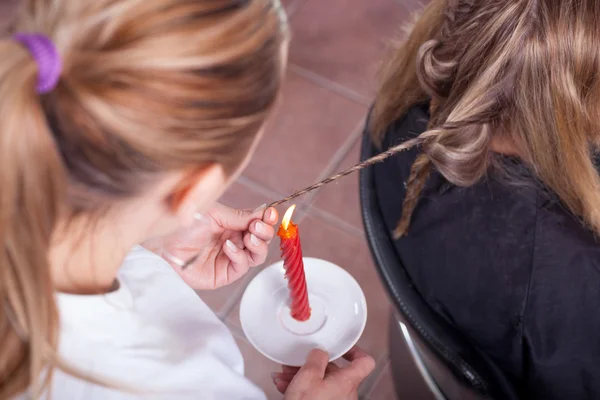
{"x":319,"y":379}
{"x":228,"y":242}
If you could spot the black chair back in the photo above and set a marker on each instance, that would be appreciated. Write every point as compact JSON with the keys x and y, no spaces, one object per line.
{"x":465,"y":362}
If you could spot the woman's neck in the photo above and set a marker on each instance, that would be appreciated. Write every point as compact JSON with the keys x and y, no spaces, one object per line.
{"x":504,"y":145}
{"x":86,"y":260}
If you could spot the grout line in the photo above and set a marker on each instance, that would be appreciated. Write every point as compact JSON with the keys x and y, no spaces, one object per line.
{"x":337,"y":158}
{"x":237,"y":333}
{"x":303,"y":205}
{"x":331,"y":85}
{"x":337,"y":222}
{"x":237,"y":294}
{"x":258,"y":187}
{"x":294,"y":8}
{"x":366,"y":389}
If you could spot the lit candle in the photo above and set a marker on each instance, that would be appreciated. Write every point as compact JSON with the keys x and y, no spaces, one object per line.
{"x":291,"y":252}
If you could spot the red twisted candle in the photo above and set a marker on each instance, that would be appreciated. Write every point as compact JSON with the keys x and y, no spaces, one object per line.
{"x":291,"y":252}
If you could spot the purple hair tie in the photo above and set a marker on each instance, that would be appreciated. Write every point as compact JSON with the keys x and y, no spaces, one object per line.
{"x":47,"y":58}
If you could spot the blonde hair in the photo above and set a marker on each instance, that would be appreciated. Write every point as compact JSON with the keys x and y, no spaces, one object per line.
{"x":523,"y":70}
{"x":147,"y":87}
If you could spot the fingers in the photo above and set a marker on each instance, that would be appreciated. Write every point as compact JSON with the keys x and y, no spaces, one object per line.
{"x":288,"y":373}
{"x":271,"y":216}
{"x":240,"y":261}
{"x":354,"y":353}
{"x":256,"y":249}
{"x":231,"y":218}
{"x":262,"y":230}
{"x":312,"y":372}
{"x":281,"y":384}
{"x":282,"y":380}
{"x":361,"y":365}
{"x":287,"y":369}
{"x":284,"y":376}
{"x":316,"y":364}
{"x":331,"y":368}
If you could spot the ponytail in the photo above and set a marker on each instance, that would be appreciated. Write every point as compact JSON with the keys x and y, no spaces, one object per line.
{"x":31,"y":194}
{"x":147,"y":89}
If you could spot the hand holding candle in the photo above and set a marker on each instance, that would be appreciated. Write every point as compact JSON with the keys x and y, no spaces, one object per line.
{"x":291,"y":251}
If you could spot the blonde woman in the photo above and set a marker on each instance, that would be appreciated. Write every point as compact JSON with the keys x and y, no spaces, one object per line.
{"x":496,"y":214}
{"x":123,"y":121}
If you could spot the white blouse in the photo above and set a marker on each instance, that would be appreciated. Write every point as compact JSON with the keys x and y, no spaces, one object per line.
{"x":155,"y":335}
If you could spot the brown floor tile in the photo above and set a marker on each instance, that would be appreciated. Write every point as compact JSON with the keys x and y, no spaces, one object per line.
{"x":383,"y":389}
{"x":341,"y":198}
{"x":241,"y":196}
{"x":292,"y":6}
{"x":350,"y":252}
{"x":305,"y":134}
{"x":222,"y":299}
{"x":345,"y":40}
{"x":258,"y":368}
{"x":233,"y":318}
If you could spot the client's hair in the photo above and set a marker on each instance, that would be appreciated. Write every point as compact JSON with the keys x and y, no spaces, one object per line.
{"x":147,"y":87}
{"x":524,"y":70}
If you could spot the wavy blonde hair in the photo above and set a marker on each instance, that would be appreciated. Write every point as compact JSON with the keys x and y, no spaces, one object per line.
{"x":526,"y":71}
{"x":147,"y":87}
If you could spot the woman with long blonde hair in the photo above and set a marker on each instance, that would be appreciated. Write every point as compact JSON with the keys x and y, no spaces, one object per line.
{"x":123,"y":121}
{"x":496,"y":212}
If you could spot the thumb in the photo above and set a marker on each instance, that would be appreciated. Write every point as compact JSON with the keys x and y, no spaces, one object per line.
{"x":361,"y":366}
{"x":236,"y":219}
{"x":316,"y":364}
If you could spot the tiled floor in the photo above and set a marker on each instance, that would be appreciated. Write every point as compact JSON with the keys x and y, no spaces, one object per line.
{"x":335,"y":51}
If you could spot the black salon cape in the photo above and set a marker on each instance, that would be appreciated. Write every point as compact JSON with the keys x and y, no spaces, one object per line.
{"x":507,"y":265}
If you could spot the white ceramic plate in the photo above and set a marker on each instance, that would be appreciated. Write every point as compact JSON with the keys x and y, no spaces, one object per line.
{"x":338,"y":317}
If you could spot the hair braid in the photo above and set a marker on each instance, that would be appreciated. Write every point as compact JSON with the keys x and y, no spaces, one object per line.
{"x":419,"y":173}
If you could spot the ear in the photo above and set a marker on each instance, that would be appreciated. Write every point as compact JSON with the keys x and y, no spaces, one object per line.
{"x":196,"y":191}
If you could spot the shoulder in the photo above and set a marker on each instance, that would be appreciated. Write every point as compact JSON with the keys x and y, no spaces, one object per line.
{"x":181,"y":345}
{"x":141,"y":262}
{"x":141,"y":253}
{"x":561,"y":324}
{"x":565,"y":282}
{"x":563,"y":242}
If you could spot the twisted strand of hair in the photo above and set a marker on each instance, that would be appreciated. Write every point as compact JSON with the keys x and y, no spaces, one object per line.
{"x":364,"y":164}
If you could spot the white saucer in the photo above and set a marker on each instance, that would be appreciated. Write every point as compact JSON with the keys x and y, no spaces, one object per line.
{"x":338,"y":313}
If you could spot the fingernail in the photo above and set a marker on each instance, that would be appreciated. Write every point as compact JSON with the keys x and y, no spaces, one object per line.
{"x":322,"y":349}
{"x":260,"y":227}
{"x":232,"y":245}
{"x":198,"y":216}
{"x":273,"y":375}
{"x":254,"y":240}
{"x":270,"y":215}
{"x":262,"y":207}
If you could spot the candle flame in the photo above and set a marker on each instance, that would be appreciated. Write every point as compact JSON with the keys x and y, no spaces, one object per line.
{"x":287,"y":217}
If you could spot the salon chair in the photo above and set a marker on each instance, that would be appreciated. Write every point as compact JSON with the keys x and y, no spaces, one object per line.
{"x":451,"y":367}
